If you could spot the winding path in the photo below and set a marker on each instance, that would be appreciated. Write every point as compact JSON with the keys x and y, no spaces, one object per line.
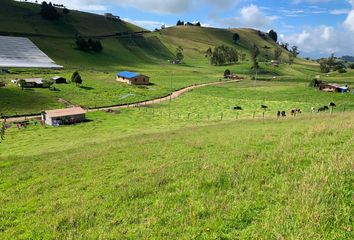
{"x":174,"y":95}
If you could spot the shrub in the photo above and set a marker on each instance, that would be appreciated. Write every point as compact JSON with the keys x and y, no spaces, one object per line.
{"x":342,"y":70}
{"x":49,"y":12}
{"x":227,"y":73}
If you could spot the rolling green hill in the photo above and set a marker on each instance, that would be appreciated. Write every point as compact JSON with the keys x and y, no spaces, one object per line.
{"x":19,"y":18}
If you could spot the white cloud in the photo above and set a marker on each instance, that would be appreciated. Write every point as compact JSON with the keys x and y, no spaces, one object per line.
{"x":349,"y":21}
{"x":145,"y":23}
{"x":339,"y":11}
{"x":250,"y":16}
{"x":311,"y":1}
{"x":322,"y":40}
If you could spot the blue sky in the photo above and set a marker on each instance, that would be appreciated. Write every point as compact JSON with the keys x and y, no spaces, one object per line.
{"x":318,"y":27}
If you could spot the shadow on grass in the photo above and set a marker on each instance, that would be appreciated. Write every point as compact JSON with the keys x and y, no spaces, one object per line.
{"x":86,"y":88}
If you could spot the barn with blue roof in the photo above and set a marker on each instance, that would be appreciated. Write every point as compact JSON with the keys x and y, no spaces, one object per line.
{"x":133,"y":78}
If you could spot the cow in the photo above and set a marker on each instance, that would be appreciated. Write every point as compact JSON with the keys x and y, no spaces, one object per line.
{"x":295,"y":111}
{"x":237,"y":108}
{"x":283,"y":114}
{"x":323,"y":109}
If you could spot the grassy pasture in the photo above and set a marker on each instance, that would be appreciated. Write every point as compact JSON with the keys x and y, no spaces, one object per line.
{"x":241,"y":179}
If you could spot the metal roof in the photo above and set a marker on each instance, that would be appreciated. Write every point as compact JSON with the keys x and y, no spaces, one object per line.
{"x":65,"y":112}
{"x":36,"y":80}
{"x":22,"y":53}
{"x":127,"y":74}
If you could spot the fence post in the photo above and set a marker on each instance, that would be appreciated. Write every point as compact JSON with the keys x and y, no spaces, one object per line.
{"x":254,"y":114}
{"x":222,"y":116}
{"x":189,"y":115}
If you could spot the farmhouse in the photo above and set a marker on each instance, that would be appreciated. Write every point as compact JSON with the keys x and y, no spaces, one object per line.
{"x":59,"y":80}
{"x":31,"y":82}
{"x":132,"y":78}
{"x":64,"y":116}
{"x":111,"y":16}
{"x":330,"y":87}
{"x":275,"y":63}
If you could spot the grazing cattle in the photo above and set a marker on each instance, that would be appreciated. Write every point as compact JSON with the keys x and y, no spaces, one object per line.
{"x":332,"y":104}
{"x":295,"y":111}
{"x":237,"y":108}
{"x":283,"y":114}
{"x":264,"y":107}
{"x":313,"y":110}
{"x":323,"y":109}
{"x":278,"y":114}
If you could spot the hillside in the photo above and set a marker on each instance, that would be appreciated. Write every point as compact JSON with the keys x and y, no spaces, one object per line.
{"x":236,"y":180}
{"x":20,"y":18}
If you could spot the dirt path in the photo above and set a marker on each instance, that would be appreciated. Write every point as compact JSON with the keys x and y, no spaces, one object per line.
{"x":174,"y":95}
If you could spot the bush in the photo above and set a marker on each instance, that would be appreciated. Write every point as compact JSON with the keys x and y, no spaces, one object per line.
{"x":89,"y":45}
{"x":47,"y":84}
{"x":342,"y":70}
{"x":351,"y":66}
{"x":76,"y":78}
{"x":49,"y":12}
{"x":66,"y":11}
{"x":227,"y":73}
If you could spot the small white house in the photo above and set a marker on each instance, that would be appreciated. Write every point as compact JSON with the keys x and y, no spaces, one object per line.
{"x":64,"y":116}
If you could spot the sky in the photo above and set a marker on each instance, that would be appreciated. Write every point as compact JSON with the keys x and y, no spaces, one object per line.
{"x":318,"y":27}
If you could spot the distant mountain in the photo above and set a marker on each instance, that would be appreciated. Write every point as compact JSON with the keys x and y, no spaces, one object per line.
{"x":348,"y":58}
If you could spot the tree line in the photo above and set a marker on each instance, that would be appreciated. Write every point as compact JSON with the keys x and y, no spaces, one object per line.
{"x":88,"y":45}
{"x":182,"y":23}
{"x":49,"y":12}
{"x":333,"y":64}
{"x":222,"y":55}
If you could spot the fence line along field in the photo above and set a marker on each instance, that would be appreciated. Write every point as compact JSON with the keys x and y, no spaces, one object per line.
{"x":295,"y":167}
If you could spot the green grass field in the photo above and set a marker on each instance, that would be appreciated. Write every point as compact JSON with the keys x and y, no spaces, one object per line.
{"x":190,"y":168}
{"x":241,"y":179}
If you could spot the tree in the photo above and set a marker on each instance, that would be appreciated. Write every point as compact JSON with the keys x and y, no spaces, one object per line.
{"x":254,"y":52}
{"x":291,"y":58}
{"x":295,"y":51}
{"x":179,"y":54}
{"x":243,"y":56}
{"x":82,"y":44}
{"x":223,"y":55}
{"x":324,"y":67}
{"x":96,"y":45}
{"x":227,"y":73}
{"x":66,"y":11}
{"x":76,"y":78}
{"x":285,"y":46}
{"x":21,"y":83}
{"x":209,"y":53}
{"x":235,"y":38}
{"x":273,"y":35}
{"x":180,"y":23}
{"x":198,"y":24}
{"x":351,"y":66}
{"x":277,"y":53}
{"x":47,"y":84}
{"x":2,"y":131}
{"x":49,"y":12}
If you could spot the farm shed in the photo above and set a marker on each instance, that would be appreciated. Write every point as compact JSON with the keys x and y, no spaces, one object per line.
{"x":329,"y":87}
{"x":59,"y":80}
{"x":64,"y":116}
{"x":132,"y":78}
{"x":32,"y":82}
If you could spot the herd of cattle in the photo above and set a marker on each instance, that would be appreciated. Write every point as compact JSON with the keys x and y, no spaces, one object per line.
{"x":294,"y":111}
